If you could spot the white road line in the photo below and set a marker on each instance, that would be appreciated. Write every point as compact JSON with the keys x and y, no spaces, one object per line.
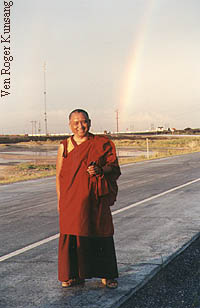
{"x":29,"y":247}
{"x":154,"y":197}
{"x":22,"y":210}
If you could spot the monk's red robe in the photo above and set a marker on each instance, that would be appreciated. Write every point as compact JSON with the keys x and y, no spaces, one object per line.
{"x":85,"y":200}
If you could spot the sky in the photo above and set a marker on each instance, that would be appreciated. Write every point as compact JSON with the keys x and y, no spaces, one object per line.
{"x":135,"y":58}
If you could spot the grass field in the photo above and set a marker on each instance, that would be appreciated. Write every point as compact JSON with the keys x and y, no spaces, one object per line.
{"x":158,"y":147}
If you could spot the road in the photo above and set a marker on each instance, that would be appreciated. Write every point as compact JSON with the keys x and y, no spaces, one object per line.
{"x":156,"y":213}
{"x":177,"y":285}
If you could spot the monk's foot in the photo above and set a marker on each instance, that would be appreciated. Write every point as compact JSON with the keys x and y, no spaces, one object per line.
{"x":110,"y":283}
{"x":72,"y":282}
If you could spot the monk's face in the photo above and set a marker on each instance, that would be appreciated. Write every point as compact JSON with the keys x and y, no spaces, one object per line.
{"x":79,"y":124}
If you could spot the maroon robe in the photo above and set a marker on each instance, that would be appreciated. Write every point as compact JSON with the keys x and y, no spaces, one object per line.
{"x":86,"y":246}
{"x":85,"y":200}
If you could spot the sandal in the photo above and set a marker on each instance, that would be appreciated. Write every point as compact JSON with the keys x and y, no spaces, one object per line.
{"x":110,"y":283}
{"x":72,"y":282}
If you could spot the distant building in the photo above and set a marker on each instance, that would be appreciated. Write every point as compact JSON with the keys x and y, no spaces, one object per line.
{"x":160,"y":129}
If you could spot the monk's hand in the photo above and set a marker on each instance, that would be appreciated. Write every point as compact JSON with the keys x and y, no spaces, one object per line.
{"x":94,"y":170}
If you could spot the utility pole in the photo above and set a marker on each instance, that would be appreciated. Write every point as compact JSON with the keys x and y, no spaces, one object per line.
{"x":45,"y":101}
{"x":152,"y":127}
{"x":33,"y":127}
{"x":117,"y":119}
{"x":39,"y":128}
{"x":147,"y":142}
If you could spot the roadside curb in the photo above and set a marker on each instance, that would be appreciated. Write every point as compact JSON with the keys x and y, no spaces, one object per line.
{"x":159,"y":268}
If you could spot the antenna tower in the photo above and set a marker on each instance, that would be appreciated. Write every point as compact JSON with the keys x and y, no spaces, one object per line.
{"x":45,"y":101}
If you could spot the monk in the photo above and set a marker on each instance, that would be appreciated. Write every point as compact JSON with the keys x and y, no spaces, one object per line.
{"x":86,"y":173}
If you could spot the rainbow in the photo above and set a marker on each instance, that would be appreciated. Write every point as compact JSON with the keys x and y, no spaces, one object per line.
{"x":129,"y":79}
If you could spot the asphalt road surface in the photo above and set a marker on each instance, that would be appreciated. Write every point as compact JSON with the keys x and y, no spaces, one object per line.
{"x":177,"y":285}
{"x":156,"y":213}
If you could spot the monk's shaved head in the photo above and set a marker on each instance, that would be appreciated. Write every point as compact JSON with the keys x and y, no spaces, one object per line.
{"x":79,"y":111}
